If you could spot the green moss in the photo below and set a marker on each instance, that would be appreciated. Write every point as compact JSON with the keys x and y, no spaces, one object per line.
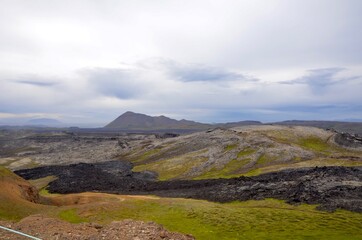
{"x":264,"y":159}
{"x":245,"y":152}
{"x":44,"y":192}
{"x":230,"y":147}
{"x":284,"y":136}
{"x":266,"y":219}
{"x":253,"y":172}
{"x":229,"y":170}
{"x":172,"y":168}
{"x":322,"y":147}
{"x":4,"y":172}
{"x":315,"y":144}
{"x":71,"y":215}
{"x":146,"y":155}
{"x":15,"y":212}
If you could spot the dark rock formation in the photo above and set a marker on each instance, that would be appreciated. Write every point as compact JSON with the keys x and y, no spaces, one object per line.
{"x":348,"y":140}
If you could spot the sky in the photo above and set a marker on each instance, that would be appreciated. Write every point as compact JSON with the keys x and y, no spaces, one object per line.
{"x":86,"y":62}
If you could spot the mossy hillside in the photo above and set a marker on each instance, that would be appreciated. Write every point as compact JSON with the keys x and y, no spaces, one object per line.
{"x":313,"y":142}
{"x":283,"y":136}
{"x":228,"y":170}
{"x":180,"y":166}
{"x":4,"y":172}
{"x":14,"y":210}
{"x":324,"y":147}
{"x":318,"y":144}
{"x":138,"y":159}
{"x":266,"y":219}
{"x":12,"y":205}
{"x":255,"y":151}
{"x":173,"y":168}
{"x":248,"y":164}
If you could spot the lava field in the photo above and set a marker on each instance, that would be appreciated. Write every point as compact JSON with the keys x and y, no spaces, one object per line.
{"x":330,"y":187}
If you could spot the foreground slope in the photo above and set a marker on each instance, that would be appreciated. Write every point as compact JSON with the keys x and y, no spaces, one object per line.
{"x":18,"y":198}
{"x":262,"y":219}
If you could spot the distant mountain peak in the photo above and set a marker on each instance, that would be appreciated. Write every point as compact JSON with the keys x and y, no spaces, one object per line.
{"x":131,"y":121}
{"x":138,"y":121}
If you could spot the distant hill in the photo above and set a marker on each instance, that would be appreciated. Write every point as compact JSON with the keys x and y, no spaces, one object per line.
{"x":238,"y":124}
{"x":43,"y":122}
{"x":141,"y":122}
{"x":138,"y":121}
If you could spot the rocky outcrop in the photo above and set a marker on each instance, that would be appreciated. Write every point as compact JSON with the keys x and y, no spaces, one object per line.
{"x":348,"y":140}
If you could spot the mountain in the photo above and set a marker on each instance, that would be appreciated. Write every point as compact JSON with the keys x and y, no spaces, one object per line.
{"x":137,"y":121}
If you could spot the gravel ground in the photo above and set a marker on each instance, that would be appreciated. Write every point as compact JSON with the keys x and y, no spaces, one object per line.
{"x":54,"y":229}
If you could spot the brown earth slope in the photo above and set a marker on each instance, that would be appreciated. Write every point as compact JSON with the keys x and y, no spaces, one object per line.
{"x":20,"y":200}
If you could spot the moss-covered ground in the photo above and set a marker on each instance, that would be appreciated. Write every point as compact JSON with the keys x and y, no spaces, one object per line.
{"x":265,"y":219}
{"x":172,"y":168}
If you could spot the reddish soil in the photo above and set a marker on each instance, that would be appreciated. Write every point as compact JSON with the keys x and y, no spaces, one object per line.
{"x":54,"y":229}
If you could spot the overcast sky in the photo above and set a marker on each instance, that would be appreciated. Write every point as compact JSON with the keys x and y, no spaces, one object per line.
{"x":210,"y":61}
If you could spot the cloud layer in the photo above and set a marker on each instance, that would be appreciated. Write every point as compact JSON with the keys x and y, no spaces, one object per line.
{"x":89,"y":61}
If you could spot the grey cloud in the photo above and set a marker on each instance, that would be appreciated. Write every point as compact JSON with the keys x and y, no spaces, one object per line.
{"x":320,"y":79}
{"x":113,"y":82}
{"x":37,"y":83}
{"x":203,"y":73}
